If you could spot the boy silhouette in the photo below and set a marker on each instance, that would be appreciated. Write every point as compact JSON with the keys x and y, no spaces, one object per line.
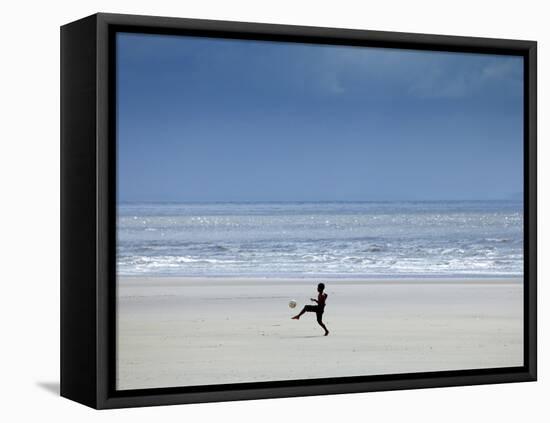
{"x":317,"y":309}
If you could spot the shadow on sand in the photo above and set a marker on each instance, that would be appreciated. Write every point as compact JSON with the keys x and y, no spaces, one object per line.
{"x":301,"y":337}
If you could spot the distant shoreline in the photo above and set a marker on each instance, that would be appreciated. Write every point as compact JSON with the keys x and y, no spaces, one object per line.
{"x":337,"y":280}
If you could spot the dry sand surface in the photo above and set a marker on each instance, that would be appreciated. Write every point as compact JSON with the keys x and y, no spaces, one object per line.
{"x":199,"y":331}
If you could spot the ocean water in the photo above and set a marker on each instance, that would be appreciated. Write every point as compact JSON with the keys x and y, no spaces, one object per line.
{"x":325,"y":239}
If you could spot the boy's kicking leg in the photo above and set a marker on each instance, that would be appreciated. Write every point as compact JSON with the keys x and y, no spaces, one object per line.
{"x":304,"y":310}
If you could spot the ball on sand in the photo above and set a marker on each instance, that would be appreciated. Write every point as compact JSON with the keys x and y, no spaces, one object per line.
{"x":292,"y":303}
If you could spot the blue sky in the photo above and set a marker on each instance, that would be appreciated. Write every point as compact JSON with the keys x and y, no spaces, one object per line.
{"x":203,"y":119}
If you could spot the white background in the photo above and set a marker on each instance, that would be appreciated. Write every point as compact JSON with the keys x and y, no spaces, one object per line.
{"x":29,"y":178}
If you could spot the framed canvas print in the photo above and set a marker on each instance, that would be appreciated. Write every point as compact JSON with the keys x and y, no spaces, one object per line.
{"x":257,"y":211}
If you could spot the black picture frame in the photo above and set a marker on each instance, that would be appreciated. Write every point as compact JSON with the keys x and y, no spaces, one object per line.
{"x":88,"y":210}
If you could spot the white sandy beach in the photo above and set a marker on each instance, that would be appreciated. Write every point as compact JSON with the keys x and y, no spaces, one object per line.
{"x":175,"y":331}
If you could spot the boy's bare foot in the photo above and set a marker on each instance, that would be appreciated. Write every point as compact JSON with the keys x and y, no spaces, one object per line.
{"x":296,"y":317}
{"x":326,"y":333}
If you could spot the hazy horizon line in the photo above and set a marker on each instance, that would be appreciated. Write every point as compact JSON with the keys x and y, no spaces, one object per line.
{"x":312,"y":201}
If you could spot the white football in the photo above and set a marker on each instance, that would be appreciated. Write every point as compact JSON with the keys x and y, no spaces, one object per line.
{"x":292,"y":303}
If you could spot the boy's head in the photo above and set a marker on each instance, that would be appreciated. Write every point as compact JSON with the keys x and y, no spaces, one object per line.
{"x":321,"y":287}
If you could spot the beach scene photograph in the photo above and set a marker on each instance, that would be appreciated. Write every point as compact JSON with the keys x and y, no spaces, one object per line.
{"x":292,"y":211}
